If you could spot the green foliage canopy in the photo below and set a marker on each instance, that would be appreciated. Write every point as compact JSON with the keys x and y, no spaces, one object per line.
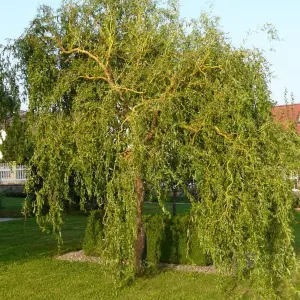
{"x":17,"y":145}
{"x":9,"y":110}
{"x":9,"y":100}
{"x":123,"y":94}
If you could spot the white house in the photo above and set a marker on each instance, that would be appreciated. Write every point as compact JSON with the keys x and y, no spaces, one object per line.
{"x":2,"y":138}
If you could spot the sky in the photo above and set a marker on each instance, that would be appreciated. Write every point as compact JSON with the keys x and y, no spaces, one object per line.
{"x":237,"y":17}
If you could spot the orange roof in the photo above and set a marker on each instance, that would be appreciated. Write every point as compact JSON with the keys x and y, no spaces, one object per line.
{"x":285,"y":113}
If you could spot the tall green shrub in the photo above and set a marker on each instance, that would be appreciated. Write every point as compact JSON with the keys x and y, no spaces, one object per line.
{"x":176,"y":241}
{"x":168,"y":240}
{"x":155,"y":235}
{"x":94,"y":234}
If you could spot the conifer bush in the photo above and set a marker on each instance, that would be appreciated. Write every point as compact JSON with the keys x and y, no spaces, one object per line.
{"x":168,"y":240}
{"x":93,"y":239}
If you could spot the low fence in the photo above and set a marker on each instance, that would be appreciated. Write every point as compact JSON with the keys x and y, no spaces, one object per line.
{"x":11,"y":173}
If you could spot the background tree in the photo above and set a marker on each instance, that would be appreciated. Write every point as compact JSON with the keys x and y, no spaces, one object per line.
{"x":17,"y":145}
{"x":9,"y":105}
{"x":9,"y":100}
{"x":119,"y":91}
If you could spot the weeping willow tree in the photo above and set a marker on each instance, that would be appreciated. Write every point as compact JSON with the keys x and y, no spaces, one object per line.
{"x":123,"y":95}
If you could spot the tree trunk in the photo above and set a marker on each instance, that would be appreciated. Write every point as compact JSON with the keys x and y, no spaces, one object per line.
{"x":174,"y":201}
{"x":140,"y":238}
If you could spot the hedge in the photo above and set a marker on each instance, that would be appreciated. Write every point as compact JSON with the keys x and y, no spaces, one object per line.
{"x":93,"y":240}
{"x":173,"y":241}
{"x":167,"y":240}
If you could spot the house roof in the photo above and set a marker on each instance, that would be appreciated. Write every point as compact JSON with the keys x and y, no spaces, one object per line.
{"x":288,"y":113}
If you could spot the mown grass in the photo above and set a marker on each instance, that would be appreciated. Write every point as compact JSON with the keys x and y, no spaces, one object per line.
{"x":154,"y":208}
{"x":24,"y":240}
{"x":297,"y":233}
{"x":11,"y":203}
{"x":29,"y":270}
{"x":10,"y":206}
{"x":50,"y":279}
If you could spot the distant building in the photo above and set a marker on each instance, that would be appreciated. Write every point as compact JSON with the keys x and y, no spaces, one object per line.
{"x":288,"y":113}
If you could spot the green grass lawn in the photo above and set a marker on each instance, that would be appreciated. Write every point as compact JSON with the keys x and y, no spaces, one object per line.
{"x":11,"y":203}
{"x":28,"y":270}
{"x":11,"y":206}
{"x":24,"y":240}
{"x":297,"y":233}
{"x":154,"y":208}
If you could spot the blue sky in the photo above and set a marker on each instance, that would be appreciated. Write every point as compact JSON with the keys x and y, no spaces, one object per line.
{"x":237,"y":17}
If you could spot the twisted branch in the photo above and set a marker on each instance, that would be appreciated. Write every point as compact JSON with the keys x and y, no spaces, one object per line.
{"x":109,"y":78}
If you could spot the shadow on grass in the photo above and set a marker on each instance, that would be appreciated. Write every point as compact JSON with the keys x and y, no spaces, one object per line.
{"x":24,"y":240}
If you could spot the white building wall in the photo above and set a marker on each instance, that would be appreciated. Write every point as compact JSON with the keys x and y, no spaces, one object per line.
{"x":2,"y":138}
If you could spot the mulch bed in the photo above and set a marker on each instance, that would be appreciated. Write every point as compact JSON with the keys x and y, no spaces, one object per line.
{"x":79,"y":256}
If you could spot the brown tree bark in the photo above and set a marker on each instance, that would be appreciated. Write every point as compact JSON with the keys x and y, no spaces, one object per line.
{"x":140,"y":238}
{"x":174,"y":201}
